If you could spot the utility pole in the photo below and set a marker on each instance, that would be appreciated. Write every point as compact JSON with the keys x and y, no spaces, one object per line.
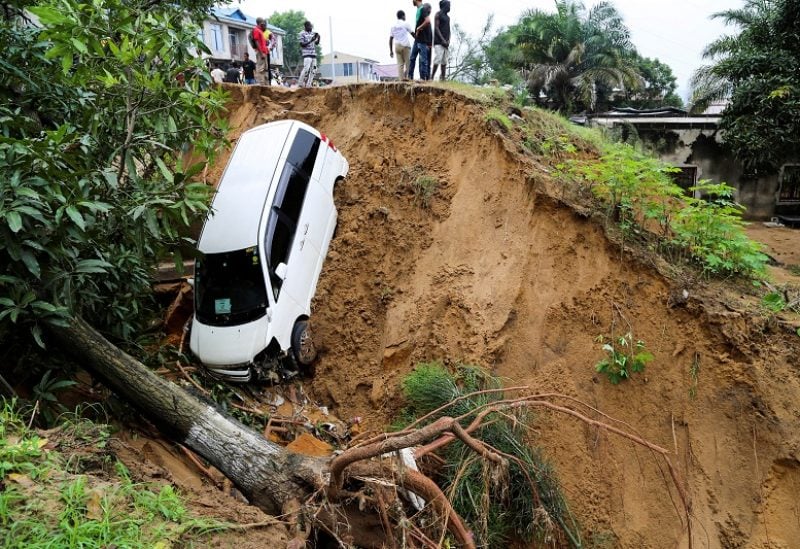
{"x":333,"y":57}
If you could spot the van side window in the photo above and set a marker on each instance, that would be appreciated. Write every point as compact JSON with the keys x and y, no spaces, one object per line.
{"x":282,"y":222}
{"x":303,"y":153}
{"x":288,"y":203}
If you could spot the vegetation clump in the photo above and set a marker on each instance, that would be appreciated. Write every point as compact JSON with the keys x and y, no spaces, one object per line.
{"x":624,"y":357}
{"x":424,"y":188}
{"x":702,"y":224}
{"x":523,"y":501}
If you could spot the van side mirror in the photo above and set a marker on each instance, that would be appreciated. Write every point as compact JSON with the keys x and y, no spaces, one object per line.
{"x":280,"y":271}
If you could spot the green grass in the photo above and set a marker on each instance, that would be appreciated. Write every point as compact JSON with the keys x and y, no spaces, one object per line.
{"x":500,"y":117}
{"x":499,"y":505}
{"x":43,"y":504}
{"x":489,"y":95}
{"x":424,"y":187}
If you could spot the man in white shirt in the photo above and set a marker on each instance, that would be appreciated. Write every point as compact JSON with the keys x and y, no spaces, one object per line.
{"x":400,"y":37}
{"x":217,"y":74}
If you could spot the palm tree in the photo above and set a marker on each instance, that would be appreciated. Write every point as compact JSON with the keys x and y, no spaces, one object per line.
{"x":714,"y":82}
{"x":570,"y":54}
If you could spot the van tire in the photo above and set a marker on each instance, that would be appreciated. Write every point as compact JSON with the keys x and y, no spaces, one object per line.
{"x":302,"y":343}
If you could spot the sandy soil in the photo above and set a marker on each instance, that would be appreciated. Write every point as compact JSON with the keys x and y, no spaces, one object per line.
{"x":499,"y":272}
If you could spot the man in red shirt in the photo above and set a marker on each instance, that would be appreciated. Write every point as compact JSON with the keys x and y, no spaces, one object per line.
{"x":261,"y":38}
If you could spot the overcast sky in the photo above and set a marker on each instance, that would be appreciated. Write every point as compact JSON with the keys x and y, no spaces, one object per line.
{"x":674,"y":31}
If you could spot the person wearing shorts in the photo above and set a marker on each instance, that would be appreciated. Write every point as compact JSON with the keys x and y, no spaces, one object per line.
{"x":441,"y":39}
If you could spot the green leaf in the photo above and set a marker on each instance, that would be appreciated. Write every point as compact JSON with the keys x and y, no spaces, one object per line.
{"x":36,"y":332}
{"x":76,"y":217}
{"x":164,"y":170}
{"x":14,"y":221}
{"x":47,"y":16}
{"x":31,"y":263}
{"x":78,"y":45}
{"x":92,"y":266}
{"x":66,"y":62}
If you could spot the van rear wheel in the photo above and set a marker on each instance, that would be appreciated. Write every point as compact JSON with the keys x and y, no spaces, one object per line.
{"x":302,"y":343}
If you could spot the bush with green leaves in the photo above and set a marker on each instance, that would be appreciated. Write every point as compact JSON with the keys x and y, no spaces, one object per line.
{"x":104,"y":107}
{"x":500,"y":506}
{"x":642,"y":199}
{"x":624,"y":357}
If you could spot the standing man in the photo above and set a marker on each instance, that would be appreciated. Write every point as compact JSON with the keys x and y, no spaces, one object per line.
{"x":424,"y":38}
{"x":308,"y":47}
{"x":249,"y":69}
{"x":260,"y":37}
{"x":441,"y":39}
{"x":415,"y":47}
{"x":400,"y":36}
{"x":217,"y":74}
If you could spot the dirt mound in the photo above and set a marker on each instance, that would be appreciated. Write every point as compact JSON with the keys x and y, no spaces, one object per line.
{"x":498,"y":273}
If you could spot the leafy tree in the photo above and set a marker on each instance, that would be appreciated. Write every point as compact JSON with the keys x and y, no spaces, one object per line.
{"x":102,"y":111}
{"x":759,"y":70}
{"x":568,"y":55}
{"x":657,"y":90}
{"x":292,"y":22}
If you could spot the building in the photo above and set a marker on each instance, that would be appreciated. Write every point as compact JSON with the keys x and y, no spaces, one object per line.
{"x":387,"y":73}
{"x":348,"y":69}
{"x":225,"y":33}
{"x":694,"y":144}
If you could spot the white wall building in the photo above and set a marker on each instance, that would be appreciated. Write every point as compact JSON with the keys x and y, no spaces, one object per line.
{"x":225,"y":33}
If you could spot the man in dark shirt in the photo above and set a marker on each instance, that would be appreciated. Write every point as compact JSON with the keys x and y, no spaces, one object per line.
{"x":423,"y":39}
{"x":249,"y":68}
{"x":232,"y":73}
{"x":415,"y":47}
{"x":441,"y":39}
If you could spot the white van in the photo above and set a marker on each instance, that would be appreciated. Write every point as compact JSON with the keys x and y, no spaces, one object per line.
{"x":261,"y":250}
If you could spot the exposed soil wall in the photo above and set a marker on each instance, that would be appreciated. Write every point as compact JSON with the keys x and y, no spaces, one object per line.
{"x":498,"y":273}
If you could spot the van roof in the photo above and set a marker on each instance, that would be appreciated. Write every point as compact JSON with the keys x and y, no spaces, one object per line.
{"x":244,"y":188}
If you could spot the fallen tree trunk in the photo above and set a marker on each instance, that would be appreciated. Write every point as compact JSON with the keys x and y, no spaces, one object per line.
{"x":270,"y":476}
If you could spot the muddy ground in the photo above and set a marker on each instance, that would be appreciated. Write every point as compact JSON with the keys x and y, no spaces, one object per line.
{"x":498,"y":272}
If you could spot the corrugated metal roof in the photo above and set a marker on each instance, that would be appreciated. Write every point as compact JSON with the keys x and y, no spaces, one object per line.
{"x":236,"y":15}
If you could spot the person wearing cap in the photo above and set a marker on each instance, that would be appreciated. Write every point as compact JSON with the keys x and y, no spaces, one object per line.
{"x":260,"y":37}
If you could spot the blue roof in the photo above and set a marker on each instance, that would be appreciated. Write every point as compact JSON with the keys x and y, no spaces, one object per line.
{"x":236,"y":15}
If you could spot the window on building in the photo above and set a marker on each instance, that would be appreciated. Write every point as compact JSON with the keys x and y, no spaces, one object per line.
{"x":789,"y":191}
{"x":685,"y":178}
{"x":348,"y":69}
{"x":217,"y":43}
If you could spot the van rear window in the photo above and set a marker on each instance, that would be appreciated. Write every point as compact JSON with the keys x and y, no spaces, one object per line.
{"x":230,"y":288}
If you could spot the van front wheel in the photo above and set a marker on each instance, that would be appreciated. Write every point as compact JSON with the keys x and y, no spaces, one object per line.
{"x":302,"y":343}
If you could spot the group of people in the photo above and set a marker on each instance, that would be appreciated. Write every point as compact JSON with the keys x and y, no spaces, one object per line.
{"x":428,"y":37}
{"x":263,"y":41}
{"x":238,"y":72}
{"x":428,"y":41}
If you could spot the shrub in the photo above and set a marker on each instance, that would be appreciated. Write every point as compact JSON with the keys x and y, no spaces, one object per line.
{"x":624,"y":358}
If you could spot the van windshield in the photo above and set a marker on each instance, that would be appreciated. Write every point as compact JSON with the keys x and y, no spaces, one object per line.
{"x":230,"y":288}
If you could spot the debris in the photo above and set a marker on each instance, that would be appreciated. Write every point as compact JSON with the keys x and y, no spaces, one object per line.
{"x":310,"y":446}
